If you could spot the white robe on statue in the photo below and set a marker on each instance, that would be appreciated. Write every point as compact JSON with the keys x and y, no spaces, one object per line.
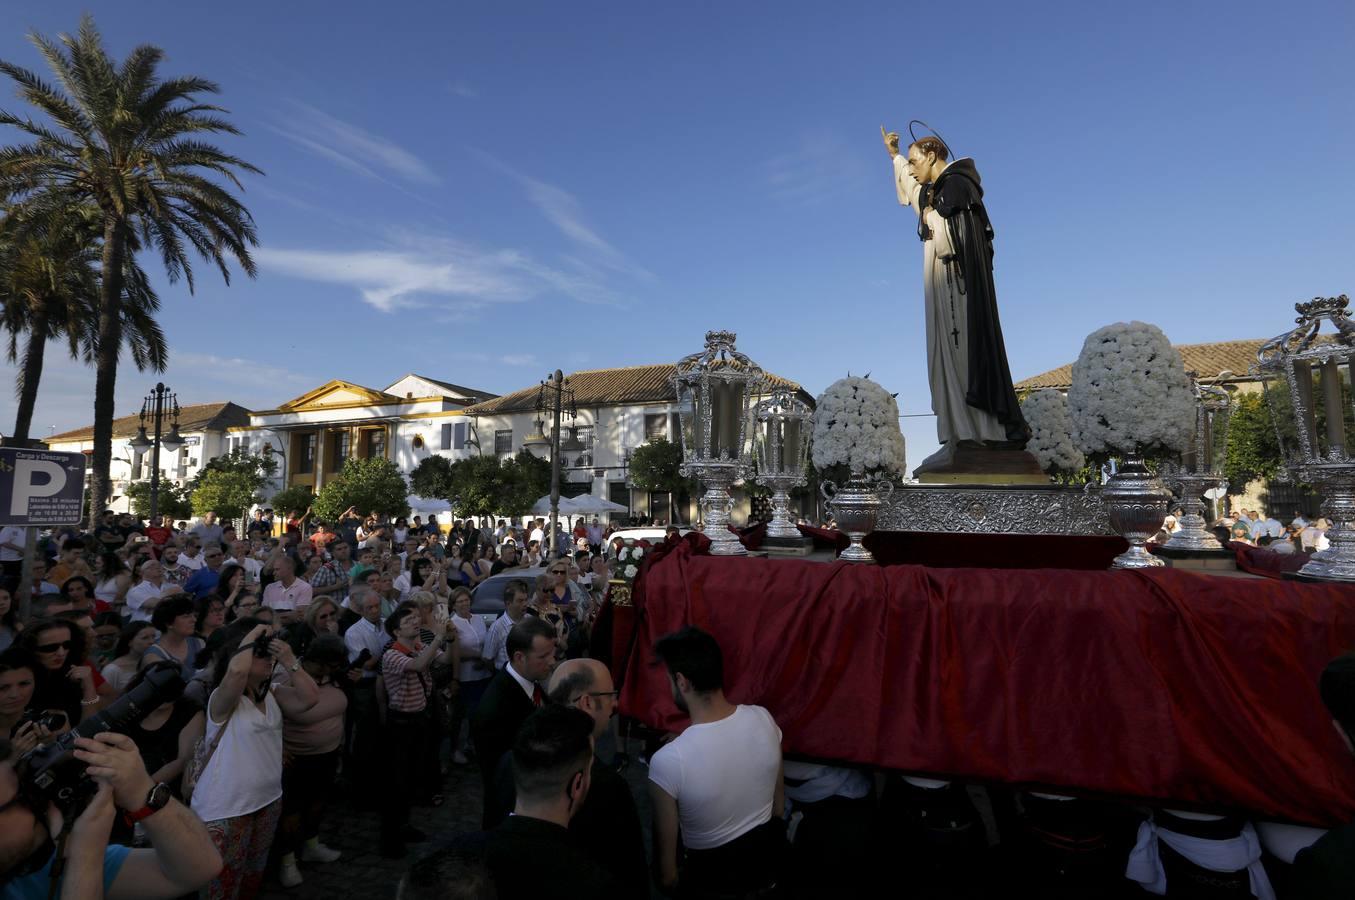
{"x":947,"y":328}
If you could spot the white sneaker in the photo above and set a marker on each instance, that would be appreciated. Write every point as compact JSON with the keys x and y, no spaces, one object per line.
{"x":289,"y":875}
{"x":319,"y":853}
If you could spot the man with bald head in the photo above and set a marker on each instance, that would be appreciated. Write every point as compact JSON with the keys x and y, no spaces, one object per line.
{"x":607,"y":826}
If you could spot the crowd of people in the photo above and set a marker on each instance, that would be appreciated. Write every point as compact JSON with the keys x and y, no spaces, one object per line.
{"x":350,"y":656}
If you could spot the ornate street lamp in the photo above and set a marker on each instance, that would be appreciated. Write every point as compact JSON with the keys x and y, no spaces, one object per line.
{"x":714,"y":391}
{"x":556,"y":397}
{"x":157,"y":403}
{"x":1308,"y":390}
{"x":1201,"y":467}
{"x":782,"y":424}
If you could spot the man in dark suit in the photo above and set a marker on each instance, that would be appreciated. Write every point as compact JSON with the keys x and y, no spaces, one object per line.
{"x":513,"y":693}
{"x":1327,"y":868}
{"x":607,"y":827}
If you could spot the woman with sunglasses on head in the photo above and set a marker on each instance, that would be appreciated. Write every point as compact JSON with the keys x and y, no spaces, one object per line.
{"x":239,"y":791}
{"x":133,"y":642}
{"x":63,"y":682}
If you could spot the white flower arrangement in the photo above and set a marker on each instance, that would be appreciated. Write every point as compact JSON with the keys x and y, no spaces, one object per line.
{"x":1130,"y":393}
{"x":627,"y":563}
{"x":856,"y":425}
{"x":1051,"y":432}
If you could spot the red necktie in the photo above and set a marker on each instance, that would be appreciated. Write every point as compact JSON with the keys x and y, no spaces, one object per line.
{"x":537,"y":697}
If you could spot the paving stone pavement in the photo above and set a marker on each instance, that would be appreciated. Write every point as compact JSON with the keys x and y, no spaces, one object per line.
{"x":363,"y":872}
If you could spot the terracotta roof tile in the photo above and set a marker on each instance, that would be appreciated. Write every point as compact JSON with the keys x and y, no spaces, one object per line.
{"x":603,"y":387}
{"x":197,"y":417}
{"x":1208,"y":360}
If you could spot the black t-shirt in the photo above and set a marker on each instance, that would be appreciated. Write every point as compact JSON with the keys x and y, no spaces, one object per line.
{"x":160,"y":746}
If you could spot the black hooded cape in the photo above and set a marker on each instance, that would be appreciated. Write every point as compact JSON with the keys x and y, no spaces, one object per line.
{"x":958,"y":197}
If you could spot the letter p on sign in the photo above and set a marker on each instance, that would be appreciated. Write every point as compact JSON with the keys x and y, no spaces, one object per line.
{"x":34,"y":478}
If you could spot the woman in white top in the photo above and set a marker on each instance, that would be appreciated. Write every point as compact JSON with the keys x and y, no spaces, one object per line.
{"x":133,"y":642}
{"x":239,"y":791}
{"x":112,"y":580}
{"x":474,"y":672}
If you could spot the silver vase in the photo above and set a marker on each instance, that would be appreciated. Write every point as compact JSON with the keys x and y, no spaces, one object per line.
{"x":1136,"y":502}
{"x":1194,"y":534}
{"x":855,"y":507}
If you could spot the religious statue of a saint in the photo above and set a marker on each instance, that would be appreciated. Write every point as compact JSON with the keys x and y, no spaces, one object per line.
{"x":967,"y":369}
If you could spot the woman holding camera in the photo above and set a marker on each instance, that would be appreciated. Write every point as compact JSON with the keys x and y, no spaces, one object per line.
{"x":238,"y":793}
{"x":409,"y":730}
{"x":18,"y":677}
{"x":312,"y":738}
{"x":63,"y":682}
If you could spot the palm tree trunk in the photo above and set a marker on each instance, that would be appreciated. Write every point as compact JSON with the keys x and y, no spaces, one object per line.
{"x":31,"y":374}
{"x":106,"y":360}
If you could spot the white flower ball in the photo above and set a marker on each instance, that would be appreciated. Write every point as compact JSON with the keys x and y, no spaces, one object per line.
{"x":637,"y":553}
{"x":1051,"y":439}
{"x":631,"y":571}
{"x":856,"y":424}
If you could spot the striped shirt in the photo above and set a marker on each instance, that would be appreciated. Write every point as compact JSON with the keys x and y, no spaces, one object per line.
{"x":406,"y":690}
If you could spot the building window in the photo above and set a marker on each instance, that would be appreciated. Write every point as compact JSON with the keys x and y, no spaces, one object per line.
{"x":376,"y":443}
{"x":656,"y":427}
{"x":503,"y":441}
{"x":617,"y":492}
{"x":304,"y":450}
{"x":446,"y":437}
{"x":585,"y":458}
{"x":340,"y":448}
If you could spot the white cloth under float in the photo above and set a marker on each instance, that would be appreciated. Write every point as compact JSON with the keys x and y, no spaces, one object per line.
{"x":1230,"y":855}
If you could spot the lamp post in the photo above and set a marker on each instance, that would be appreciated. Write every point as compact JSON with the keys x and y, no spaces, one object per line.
{"x":1201,"y":468}
{"x":1308,"y":389}
{"x":158,"y":402}
{"x":555,"y":396}
{"x":782,"y":424}
{"x":714,"y":392}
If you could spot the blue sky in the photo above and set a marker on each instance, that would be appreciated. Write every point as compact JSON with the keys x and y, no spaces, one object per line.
{"x":483,"y":192}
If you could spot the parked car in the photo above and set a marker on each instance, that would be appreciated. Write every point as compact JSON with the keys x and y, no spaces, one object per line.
{"x":486,"y":598}
{"x":653,"y":534}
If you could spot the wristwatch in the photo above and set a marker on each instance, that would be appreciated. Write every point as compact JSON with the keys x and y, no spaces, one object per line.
{"x":155,"y":801}
{"x":294,"y":666}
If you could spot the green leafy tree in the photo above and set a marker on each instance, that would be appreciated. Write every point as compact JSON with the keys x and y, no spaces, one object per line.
{"x":655,"y":467}
{"x":371,"y":485}
{"x":432,"y":478}
{"x":256,"y":467}
{"x":125,"y":140}
{"x":175,"y":502}
{"x":297,"y":498}
{"x":1253,"y":450}
{"x":524,"y":478}
{"x":227,"y":492}
{"x":476,"y":486}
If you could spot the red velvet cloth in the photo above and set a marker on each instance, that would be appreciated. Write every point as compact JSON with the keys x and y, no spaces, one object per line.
{"x":1164,"y":685}
{"x":1264,"y":561}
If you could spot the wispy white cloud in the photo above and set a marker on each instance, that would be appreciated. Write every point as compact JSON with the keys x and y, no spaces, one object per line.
{"x":518,"y":359}
{"x":818,"y":168}
{"x":563,"y":210}
{"x":350,"y":146}
{"x":463,"y":89}
{"x":417,"y":271}
{"x":66,"y":393}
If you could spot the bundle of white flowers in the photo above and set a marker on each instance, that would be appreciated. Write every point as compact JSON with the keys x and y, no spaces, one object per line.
{"x":856,"y":425}
{"x":627,"y":564}
{"x":1130,"y":393}
{"x":1051,"y":433}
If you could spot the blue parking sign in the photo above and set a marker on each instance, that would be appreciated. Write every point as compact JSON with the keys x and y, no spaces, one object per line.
{"x":41,"y":487}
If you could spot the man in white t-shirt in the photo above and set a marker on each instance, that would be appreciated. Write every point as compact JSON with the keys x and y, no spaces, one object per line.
{"x":718,"y":783}
{"x":143,"y":597}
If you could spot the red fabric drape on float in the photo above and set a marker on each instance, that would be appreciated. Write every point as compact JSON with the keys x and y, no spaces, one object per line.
{"x":1264,"y":561}
{"x":1163,"y":685}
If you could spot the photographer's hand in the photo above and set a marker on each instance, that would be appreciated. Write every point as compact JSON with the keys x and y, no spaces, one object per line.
{"x":113,"y":758}
{"x":29,"y":735}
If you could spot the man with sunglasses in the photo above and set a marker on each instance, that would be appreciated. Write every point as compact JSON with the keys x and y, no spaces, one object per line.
{"x":181,"y":858}
{"x":204,"y":580}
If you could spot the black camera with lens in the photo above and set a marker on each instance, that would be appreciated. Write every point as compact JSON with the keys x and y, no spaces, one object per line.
{"x":51,"y":772}
{"x":46,"y":719}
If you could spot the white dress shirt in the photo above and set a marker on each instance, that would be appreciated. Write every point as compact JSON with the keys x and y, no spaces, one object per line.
{"x":364,"y":635}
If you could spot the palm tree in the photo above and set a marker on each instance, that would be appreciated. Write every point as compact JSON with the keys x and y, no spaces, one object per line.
{"x":122,"y":138}
{"x":49,"y":288}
